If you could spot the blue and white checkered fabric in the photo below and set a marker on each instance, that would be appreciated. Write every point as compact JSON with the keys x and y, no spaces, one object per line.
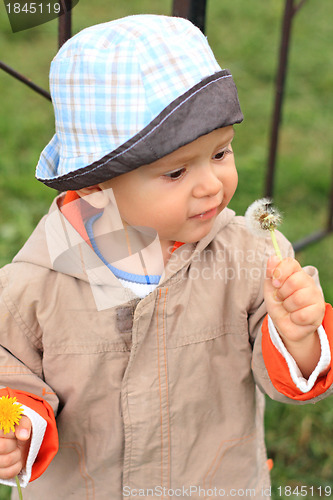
{"x":111,"y":80}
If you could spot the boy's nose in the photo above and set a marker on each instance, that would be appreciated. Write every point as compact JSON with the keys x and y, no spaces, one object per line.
{"x":207,"y":183}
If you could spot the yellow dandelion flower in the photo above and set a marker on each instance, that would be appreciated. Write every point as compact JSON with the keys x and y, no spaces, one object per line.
{"x":10,"y":414}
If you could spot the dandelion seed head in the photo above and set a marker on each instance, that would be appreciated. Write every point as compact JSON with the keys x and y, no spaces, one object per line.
{"x":10,"y":413}
{"x":262,"y":217}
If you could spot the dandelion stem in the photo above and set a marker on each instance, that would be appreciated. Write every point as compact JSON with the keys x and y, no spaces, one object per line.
{"x":18,"y":488}
{"x":275,"y":244}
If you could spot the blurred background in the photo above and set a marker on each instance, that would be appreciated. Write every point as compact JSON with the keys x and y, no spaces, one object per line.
{"x":245,"y":37}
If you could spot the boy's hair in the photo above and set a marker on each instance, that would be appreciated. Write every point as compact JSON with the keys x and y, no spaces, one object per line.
{"x":128,"y":92}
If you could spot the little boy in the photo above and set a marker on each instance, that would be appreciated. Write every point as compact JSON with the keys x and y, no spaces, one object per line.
{"x":134,"y":321}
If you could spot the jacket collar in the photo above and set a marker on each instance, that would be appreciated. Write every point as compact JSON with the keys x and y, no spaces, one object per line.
{"x":57,"y":245}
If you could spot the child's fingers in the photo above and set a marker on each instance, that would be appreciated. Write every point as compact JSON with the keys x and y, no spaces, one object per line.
{"x":10,"y":465}
{"x":23,"y":436}
{"x":296,"y":282}
{"x":272,"y":264}
{"x":291,"y":290}
{"x":303,"y":310}
{"x":284,"y":269}
{"x":10,"y":458}
{"x":23,"y":429}
{"x":294,"y":287}
{"x":14,"y":447}
{"x":7,"y":444}
{"x":8,"y":435}
{"x":287,"y":277}
{"x":311,"y":315}
{"x":293,"y":301}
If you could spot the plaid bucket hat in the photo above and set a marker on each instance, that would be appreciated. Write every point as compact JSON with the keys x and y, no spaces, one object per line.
{"x":128,"y":92}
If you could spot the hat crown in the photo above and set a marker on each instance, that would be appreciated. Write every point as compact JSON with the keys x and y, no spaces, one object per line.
{"x":109,"y":81}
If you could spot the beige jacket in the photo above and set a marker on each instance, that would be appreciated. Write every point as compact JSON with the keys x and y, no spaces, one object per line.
{"x":155,"y":398}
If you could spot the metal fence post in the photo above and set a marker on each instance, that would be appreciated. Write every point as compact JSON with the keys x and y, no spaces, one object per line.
{"x":279,"y":91}
{"x":65,"y":22}
{"x":194,"y":10}
{"x":330,"y":210}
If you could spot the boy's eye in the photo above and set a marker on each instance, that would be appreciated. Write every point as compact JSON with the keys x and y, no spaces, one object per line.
{"x":221,"y":154}
{"x":176,"y":174}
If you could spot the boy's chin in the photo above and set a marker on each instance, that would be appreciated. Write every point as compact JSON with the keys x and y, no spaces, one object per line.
{"x":197,"y":236}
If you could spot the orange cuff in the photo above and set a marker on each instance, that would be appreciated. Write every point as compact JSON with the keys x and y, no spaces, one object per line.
{"x":50,"y":442}
{"x":278,"y":370}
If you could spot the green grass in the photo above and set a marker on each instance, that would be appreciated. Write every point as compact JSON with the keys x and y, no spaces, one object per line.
{"x":245,"y":38}
{"x":4,"y":492}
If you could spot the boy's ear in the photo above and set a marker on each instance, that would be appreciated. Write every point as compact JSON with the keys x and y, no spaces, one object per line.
{"x":95,"y":196}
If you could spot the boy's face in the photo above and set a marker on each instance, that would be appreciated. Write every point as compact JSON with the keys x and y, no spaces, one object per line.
{"x":181,"y":194}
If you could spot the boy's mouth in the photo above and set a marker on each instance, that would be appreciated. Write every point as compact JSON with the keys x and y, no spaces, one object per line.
{"x":206,"y":215}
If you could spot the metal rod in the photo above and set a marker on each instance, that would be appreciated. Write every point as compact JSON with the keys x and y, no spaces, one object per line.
{"x":318,"y":235}
{"x":279,"y":91}
{"x":194,"y":10}
{"x":181,"y":8}
{"x":299,"y":5}
{"x":311,"y":238}
{"x":25,"y":80}
{"x":65,"y":22}
{"x":330,"y":209}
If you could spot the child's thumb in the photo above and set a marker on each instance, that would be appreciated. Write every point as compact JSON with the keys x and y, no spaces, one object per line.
{"x":272,"y":264}
{"x":23,"y":429}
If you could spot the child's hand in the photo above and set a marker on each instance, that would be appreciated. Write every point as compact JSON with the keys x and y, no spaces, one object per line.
{"x":14,"y":448}
{"x":293,"y":300}
{"x":297,"y":309}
